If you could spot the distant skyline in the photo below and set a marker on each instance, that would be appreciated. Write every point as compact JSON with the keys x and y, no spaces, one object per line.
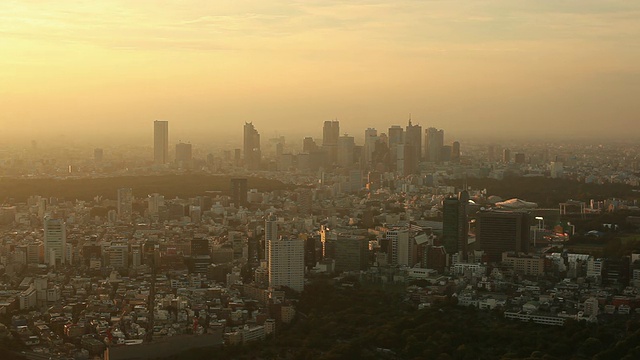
{"x":500,"y":68}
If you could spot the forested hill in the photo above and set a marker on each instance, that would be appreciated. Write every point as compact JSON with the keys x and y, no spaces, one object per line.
{"x":353,"y":323}
{"x":170,"y":186}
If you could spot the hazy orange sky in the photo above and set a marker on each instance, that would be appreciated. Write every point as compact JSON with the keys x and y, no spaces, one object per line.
{"x":496,"y":67}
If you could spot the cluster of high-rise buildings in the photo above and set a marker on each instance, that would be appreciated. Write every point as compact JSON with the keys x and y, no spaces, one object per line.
{"x":399,"y":150}
{"x":183,"y":151}
{"x":124,"y":262}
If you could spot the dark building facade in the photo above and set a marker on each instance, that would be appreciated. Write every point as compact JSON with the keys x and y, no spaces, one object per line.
{"x":239,"y":189}
{"x":500,"y":231}
{"x":455,"y":224}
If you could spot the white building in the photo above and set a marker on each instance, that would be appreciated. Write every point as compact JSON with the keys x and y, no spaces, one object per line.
{"x":155,"y":201}
{"x":594,"y":267}
{"x":119,"y":256}
{"x":55,"y":240}
{"x":286,"y":263}
{"x":28,"y":298}
{"x":402,"y":249}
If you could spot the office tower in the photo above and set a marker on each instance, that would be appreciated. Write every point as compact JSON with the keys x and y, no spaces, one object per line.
{"x":310,"y":252}
{"x":506,"y":156}
{"x":200,"y":259}
{"x":455,"y":224}
{"x":330,"y":132}
{"x":270,"y":232}
{"x":136,"y":255}
{"x":309,"y":145}
{"x":352,"y":253}
{"x":413,"y":138}
{"x":346,"y":145}
{"x":380,"y":158}
{"x":55,"y":240}
{"x":125,"y":204}
{"x":500,"y":231}
{"x":356,"y":182}
{"x":396,"y":137}
{"x":455,"y":152}
{"x":155,"y":201}
{"x":400,"y":246}
{"x":305,"y":201}
{"x":405,"y":161}
{"x":98,"y":155}
{"x":370,"y":138}
{"x":286,"y":263}
{"x":330,"y":135}
{"x":252,"y":154}
{"x":160,"y":142}
{"x":184,"y":155}
{"x":445,"y":153}
{"x":434,"y":140}
{"x":33,"y":253}
{"x":119,"y":256}
{"x":239,"y":191}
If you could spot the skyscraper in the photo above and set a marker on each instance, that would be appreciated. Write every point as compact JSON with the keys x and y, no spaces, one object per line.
{"x":330,"y":135}
{"x":455,"y":224}
{"x":239,"y":191}
{"x":455,"y":152}
{"x":413,"y":138}
{"x":286,"y":263}
{"x":270,"y":232}
{"x":184,"y":154}
{"x":370,"y":138}
{"x":500,"y":231}
{"x":55,"y":241}
{"x":125,"y":204}
{"x":434,"y":140}
{"x":308,"y":145}
{"x":252,"y":154}
{"x":155,"y":201}
{"x":346,"y":145}
{"x":160,"y":142}
{"x":396,"y":137}
{"x":506,"y":156}
{"x":330,"y":132}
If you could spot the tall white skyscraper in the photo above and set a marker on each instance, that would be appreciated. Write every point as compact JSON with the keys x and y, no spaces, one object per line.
{"x":286,"y":263}
{"x":270,"y":233}
{"x":125,"y":204}
{"x":55,"y":240}
{"x":160,"y":142}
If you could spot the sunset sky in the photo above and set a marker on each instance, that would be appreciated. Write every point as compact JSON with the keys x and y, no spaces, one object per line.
{"x":497,"y":67}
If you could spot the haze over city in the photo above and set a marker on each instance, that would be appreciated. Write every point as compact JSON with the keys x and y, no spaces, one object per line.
{"x":492,"y":68}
